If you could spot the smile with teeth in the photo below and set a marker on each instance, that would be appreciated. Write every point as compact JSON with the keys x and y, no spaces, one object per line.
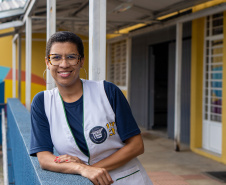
{"x":64,"y":73}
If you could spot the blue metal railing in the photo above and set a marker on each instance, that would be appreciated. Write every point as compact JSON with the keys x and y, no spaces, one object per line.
{"x":23,"y":169}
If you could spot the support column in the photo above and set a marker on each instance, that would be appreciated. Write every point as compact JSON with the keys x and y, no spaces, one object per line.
{"x":14,"y":65}
{"x":51,"y":29}
{"x":97,"y":39}
{"x":177,"y":110}
{"x":19,"y":65}
{"x":28,"y":62}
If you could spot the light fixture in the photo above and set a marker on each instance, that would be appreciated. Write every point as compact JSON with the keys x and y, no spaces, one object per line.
{"x":123,"y":7}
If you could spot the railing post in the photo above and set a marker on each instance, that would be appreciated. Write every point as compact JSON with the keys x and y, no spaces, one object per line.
{"x":4,"y":149}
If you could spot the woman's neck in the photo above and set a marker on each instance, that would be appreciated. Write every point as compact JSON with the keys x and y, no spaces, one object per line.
{"x":71,"y":93}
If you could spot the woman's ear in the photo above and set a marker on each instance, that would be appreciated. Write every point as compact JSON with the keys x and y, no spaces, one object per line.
{"x":82,"y":60}
{"x":47,"y":63}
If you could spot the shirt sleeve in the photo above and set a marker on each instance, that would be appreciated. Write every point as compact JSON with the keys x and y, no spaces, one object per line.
{"x":126,"y":124}
{"x":40,"y":132}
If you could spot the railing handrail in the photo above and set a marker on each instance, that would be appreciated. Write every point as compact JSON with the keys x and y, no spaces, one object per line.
{"x":24,"y":166}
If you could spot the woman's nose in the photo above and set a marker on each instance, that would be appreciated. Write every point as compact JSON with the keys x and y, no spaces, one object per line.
{"x":64,"y":63}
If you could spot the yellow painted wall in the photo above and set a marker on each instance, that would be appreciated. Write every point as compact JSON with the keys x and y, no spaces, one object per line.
{"x":6,"y":49}
{"x":6,"y":58}
{"x":37,"y":66}
{"x":197,"y":91}
{"x":196,"y":82}
{"x":86,"y":54}
{"x":38,"y":54}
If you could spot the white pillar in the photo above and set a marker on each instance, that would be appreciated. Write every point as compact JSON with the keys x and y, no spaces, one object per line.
{"x":177,"y":110}
{"x":28,"y":62}
{"x":19,"y":65}
{"x":4,"y":148}
{"x":14,"y":65}
{"x":97,"y":39}
{"x":51,"y":29}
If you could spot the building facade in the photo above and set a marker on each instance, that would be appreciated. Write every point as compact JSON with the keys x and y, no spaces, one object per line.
{"x":142,"y":64}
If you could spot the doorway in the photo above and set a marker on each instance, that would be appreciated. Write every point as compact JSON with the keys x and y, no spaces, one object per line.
{"x":158,"y":86}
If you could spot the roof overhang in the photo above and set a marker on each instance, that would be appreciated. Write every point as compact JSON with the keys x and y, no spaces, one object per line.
{"x":182,"y":19}
{"x":72,"y":15}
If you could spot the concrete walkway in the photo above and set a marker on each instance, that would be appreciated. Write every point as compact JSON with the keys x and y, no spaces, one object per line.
{"x":167,"y":167}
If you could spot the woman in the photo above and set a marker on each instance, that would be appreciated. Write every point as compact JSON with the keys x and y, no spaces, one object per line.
{"x":89,"y":123}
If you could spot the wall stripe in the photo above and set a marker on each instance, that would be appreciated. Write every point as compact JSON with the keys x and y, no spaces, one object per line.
{"x":3,"y":72}
{"x":34,"y":78}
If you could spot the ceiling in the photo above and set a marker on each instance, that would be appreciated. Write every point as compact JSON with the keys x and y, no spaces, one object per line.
{"x":73,"y":15}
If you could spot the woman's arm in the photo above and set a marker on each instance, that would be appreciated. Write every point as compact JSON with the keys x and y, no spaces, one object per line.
{"x":99,"y":176}
{"x":134,"y":147}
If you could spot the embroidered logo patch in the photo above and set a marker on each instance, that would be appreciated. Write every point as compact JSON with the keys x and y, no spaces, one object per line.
{"x":98,"y":134}
{"x":111,"y":128}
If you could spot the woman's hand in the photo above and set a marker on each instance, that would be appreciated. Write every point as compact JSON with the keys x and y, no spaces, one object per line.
{"x":68,"y":159}
{"x":98,"y":176}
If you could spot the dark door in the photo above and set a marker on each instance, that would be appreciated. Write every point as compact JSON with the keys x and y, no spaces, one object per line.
{"x":158,"y":82}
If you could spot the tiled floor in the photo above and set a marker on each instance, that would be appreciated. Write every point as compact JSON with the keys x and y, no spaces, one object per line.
{"x":163,"y":178}
{"x":167,"y":178}
{"x":167,"y":167}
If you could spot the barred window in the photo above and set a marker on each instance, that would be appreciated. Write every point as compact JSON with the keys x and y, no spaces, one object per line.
{"x":117,"y":64}
{"x":213,"y":68}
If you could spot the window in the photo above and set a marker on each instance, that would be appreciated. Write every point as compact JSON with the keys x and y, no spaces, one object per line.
{"x":213,"y":68}
{"x":117,"y":63}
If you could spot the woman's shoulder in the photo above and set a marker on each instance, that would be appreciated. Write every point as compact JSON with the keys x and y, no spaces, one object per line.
{"x":38,"y":99}
{"x":110,"y":87}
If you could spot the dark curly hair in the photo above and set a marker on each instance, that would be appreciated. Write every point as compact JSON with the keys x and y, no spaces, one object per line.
{"x":65,"y":36}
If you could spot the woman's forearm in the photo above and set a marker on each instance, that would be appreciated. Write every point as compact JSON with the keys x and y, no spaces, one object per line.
{"x":134,"y":147}
{"x":99,"y":176}
{"x":46,"y":161}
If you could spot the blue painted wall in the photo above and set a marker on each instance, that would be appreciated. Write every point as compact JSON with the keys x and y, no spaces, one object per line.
{"x":3,"y":72}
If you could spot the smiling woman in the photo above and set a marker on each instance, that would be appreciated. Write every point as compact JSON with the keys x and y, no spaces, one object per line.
{"x":65,"y":70}
{"x":89,"y":123}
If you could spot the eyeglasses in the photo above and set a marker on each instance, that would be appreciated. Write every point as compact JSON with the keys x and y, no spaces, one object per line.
{"x":56,"y":59}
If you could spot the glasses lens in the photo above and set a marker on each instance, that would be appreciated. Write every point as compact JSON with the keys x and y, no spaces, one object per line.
{"x":72,"y":57}
{"x":57,"y":59}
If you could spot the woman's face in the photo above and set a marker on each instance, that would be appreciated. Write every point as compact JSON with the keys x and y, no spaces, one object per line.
{"x":64,"y":74}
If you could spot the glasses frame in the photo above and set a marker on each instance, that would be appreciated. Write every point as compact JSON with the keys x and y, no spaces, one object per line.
{"x":79,"y":57}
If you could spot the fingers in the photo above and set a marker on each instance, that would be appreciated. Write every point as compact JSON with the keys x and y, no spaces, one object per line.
{"x":101,"y":177}
{"x":104,"y":177}
{"x":67,"y":158}
{"x":108,"y":177}
{"x":99,"y":181}
{"x":103,"y":180}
